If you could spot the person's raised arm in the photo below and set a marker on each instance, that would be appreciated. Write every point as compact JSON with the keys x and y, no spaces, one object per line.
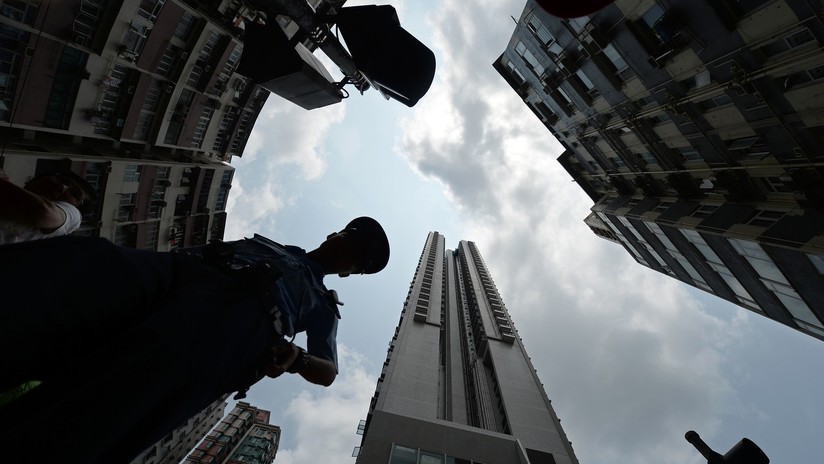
{"x":27,"y":208}
{"x":312,"y":368}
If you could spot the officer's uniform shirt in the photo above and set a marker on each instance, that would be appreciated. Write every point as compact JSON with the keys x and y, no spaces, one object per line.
{"x":299,"y":295}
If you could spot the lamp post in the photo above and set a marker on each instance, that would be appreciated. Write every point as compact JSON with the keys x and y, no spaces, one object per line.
{"x":744,"y":452}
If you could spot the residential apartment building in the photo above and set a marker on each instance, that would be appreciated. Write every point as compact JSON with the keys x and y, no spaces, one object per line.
{"x":143,"y":77}
{"x":244,"y":436}
{"x":696,"y":129}
{"x":172,"y":448}
{"x":146,"y":204}
{"x":457,"y":385}
{"x":138,"y":96}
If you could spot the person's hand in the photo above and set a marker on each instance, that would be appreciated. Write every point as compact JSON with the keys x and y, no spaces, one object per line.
{"x":283,"y":355}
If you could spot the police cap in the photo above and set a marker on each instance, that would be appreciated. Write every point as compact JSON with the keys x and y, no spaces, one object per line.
{"x":371,"y":238}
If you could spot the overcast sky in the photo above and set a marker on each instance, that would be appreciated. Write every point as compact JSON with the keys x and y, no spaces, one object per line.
{"x":630,"y":358}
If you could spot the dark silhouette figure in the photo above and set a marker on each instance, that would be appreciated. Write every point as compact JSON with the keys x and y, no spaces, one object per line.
{"x":128,"y":344}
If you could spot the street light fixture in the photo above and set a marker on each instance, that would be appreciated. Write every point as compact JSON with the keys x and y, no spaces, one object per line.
{"x":744,"y":452}
{"x":383,"y":55}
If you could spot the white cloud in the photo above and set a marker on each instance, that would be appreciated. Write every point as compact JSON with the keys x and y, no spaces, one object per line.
{"x":631,"y":360}
{"x":285,"y":138}
{"x":253,"y":209}
{"x":286,"y":134}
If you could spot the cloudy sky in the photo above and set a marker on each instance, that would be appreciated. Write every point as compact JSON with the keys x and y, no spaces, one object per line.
{"x":631,"y":359}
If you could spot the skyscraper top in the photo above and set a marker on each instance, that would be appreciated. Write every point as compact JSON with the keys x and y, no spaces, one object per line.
{"x":457,"y":382}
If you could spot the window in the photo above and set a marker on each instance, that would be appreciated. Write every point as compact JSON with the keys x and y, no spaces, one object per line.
{"x":540,"y":31}
{"x":653,"y":14}
{"x":19,"y":10}
{"x":645,"y":100}
{"x":775,"y":281}
{"x":514,"y":71}
{"x":202,"y":125}
{"x":704,"y":211}
{"x":578,"y":24}
{"x":153,"y":94}
{"x":703,"y":79}
{"x":529,"y":58}
{"x":718,"y":266}
{"x":786,"y":43}
{"x":638,"y":257}
{"x":801,"y":77}
{"x":715,"y":102}
{"x":152,"y":231}
{"x":764,"y":218}
{"x":695,"y":238}
{"x":615,"y":58}
{"x":648,"y":158}
{"x":587,"y":83}
{"x":184,"y":27}
{"x":643,"y":242}
{"x":132,"y":173}
{"x":761,"y":261}
{"x":689,"y":154}
{"x":663,"y":206}
{"x":68,"y":76}
{"x":149,"y":9}
{"x":566,"y":96}
{"x":134,"y":39}
{"x":403,"y":455}
{"x":783,"y":184}
{"x":168,"y":60}
{"x":749,"y":148}
{"x":545,"y":113}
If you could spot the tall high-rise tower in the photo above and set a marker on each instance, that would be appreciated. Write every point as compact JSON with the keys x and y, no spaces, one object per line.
{"x":243,"y":436}
{"x":457,"y":384}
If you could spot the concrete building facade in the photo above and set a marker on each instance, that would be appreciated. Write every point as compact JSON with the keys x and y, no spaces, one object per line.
{"x":146,"y":204}
{"x":457,"y":385}
{"x":244,"y":436}
{"x":172,"y":448}
{"x":140,"y":97}
{"x":137,"y":76}
{"x":695,"y":127}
